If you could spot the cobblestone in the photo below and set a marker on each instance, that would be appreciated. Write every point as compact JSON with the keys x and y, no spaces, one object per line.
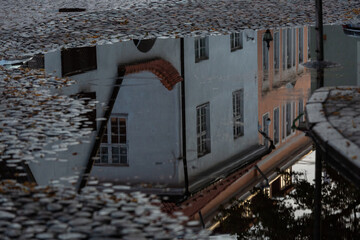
{"x":35,"y":26}
{"x":340,"y":127}
{"x":152,"y":224}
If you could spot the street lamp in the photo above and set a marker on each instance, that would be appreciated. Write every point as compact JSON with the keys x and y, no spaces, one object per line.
{"x":267,"y":38}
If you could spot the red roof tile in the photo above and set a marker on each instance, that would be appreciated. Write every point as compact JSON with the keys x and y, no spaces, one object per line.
{"x":199,"y":200}
{"x":164,"y":70}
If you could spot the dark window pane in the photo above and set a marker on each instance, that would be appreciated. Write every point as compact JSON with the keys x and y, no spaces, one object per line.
{"x":78,"y":60}
{"x":115,"y":155}
{"x":104,"y":155}
{"x":104,"y":139}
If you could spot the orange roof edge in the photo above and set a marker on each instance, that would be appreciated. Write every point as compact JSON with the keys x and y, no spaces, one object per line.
{"x":163,"y":69}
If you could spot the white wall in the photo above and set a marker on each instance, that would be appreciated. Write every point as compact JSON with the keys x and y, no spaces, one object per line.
{"x":153,"y":132}
{"x":101,"y":80}
{"x":214,"y":80}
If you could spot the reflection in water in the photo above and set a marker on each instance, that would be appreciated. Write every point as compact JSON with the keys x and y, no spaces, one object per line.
{"x":270,"y":213}
{"x":185,"y":112}
{"x":346,"y":56}
{"x":174,"y":116}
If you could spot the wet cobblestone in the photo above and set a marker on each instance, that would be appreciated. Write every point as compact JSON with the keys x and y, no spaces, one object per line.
{"x":30,"y":27}
{"x":335,"y":124}
{"x":101,"y":222}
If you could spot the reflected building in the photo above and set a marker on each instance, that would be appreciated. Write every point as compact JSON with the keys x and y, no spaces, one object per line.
{"x":284,"y":87}
{"x":342,"y":47}
{"x":163,"y":103}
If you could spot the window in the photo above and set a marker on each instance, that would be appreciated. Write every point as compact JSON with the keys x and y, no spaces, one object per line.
{"x":265,"y":56}
{"x":238,"y":113}
{"x":284,"y":49}
{"x":293,"y":46}
{"x":236,"y":41}
{"x":285,"y":179}
{"x":201,"y":49}
{"x":113,"y":148}
{"x":265,"y":127}
{"x":283,"y":122}
{"x":276,"y":52}
{"x":301,"y":109}
{"x":203,"y":129}
{"x":288,"y":118}
{"x":301,"y":45}
{"x":276,"y":125}
{"x":293,"y":116}
{"x":78,"y":60}
{"x":288,"y":47}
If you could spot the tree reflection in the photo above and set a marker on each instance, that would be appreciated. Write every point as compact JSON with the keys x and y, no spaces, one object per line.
{"x":290,"y":217}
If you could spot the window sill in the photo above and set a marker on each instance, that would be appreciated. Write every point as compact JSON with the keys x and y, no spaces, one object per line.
{"x":111,"y":164}
{"x":203,"y":154}
{"x":201,"y":59}
{"x":238,"y":136}
{"x":236,"y":48}
{"x":80,"y":71}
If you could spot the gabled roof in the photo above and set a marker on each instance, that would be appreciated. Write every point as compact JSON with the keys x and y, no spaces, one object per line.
{"x":163,"y":69}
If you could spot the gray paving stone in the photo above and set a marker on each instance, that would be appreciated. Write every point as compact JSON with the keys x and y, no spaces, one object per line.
{"x":40,"y":27}
{"x":341,"y":128}
{"x":315,"y":113}
{"x":318,"y":97}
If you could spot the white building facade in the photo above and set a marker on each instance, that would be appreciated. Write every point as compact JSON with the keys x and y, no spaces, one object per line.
{"x":211,"y":114}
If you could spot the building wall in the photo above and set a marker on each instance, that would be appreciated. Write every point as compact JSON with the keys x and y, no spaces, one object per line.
{"x":153,"y":121}
{"x":101,"y":81}
{"x":341,"y":49}
{"x":293,"y":84}
{"x":213,"y":81}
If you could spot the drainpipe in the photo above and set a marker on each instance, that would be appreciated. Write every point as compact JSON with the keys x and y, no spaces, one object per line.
{"x":320,"y":83}
{"x":100,"y":134}
{"x":183,"y":119}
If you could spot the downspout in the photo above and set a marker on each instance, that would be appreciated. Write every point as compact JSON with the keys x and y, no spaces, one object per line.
{"x":183,"y":118}
{"x":100,"y":134}
{"x":319,"y":84}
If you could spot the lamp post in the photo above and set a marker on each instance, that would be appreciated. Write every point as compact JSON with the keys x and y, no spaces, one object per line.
{"x":267,"y":38}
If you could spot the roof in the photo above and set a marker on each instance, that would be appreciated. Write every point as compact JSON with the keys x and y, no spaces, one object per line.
{"x":164,"y":70}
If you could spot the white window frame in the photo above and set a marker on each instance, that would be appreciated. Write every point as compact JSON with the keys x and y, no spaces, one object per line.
{"x":201,"y":48}
{"x":238,"y":113}
{"x":203,"y":129}
{"x":236,"y":41}
{"x":107,"y":148}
